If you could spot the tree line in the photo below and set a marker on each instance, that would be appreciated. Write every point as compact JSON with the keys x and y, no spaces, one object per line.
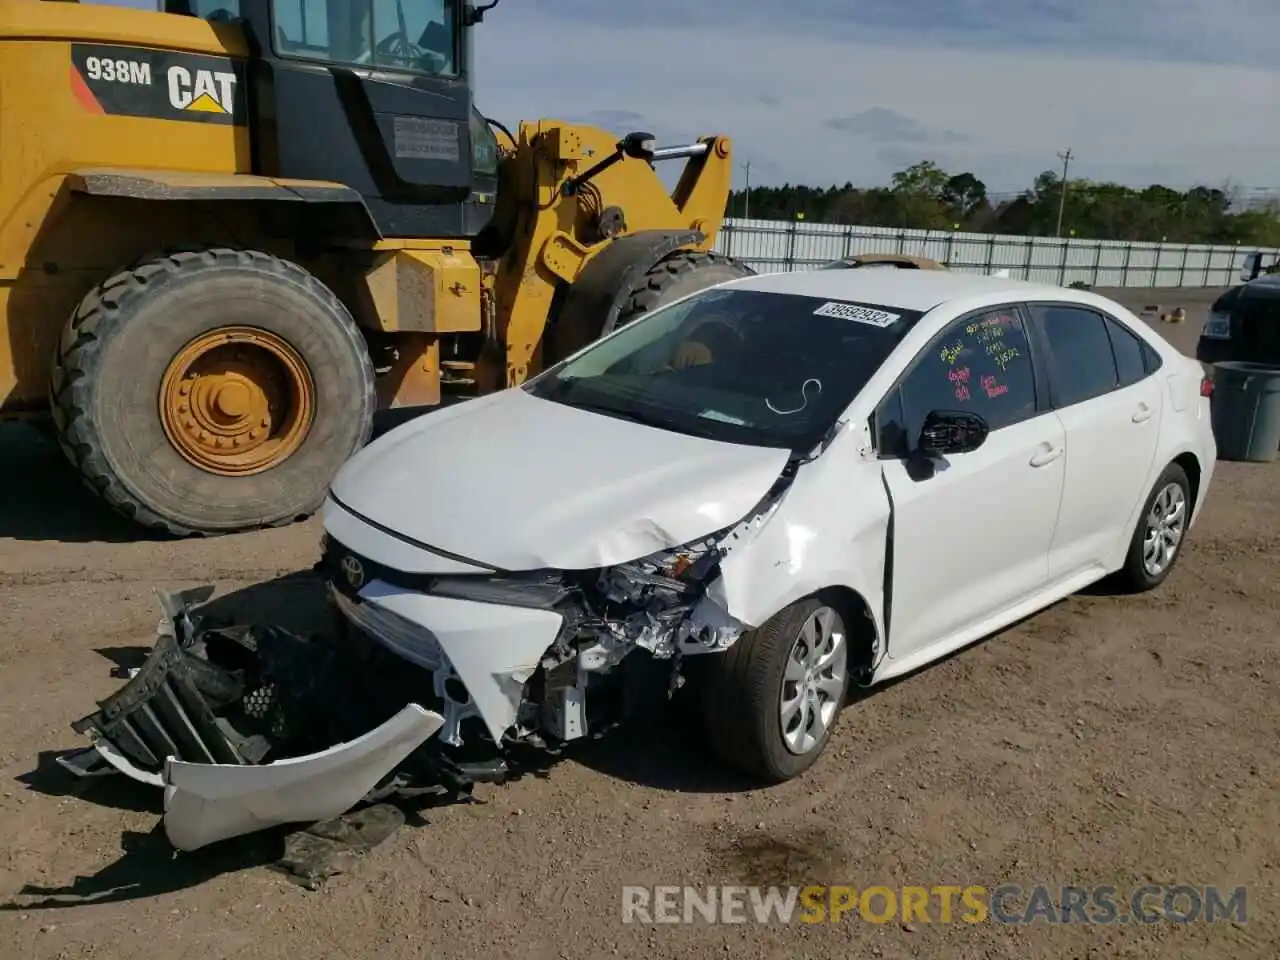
{"x":926,"y":197}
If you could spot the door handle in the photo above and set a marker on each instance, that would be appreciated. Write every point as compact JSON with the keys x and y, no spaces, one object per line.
{"x":1046,"y":457}
{"x":1142,"y":414}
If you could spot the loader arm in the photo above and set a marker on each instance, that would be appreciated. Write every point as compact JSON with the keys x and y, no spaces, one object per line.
{"x":549,"y":234}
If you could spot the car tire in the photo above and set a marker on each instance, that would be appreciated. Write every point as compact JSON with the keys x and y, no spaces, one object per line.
{"x":1166,"y":511}
{"x":744,"y":701}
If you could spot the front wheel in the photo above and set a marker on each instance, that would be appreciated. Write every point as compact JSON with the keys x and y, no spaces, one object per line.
{"x":774,"y":697}
{"x":212,"y":391}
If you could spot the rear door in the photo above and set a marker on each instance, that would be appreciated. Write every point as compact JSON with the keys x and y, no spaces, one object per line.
{"x":1102,"y":383}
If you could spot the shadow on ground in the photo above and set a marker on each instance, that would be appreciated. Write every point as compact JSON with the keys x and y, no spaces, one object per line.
{"x":657,"y":749}
{"x":43,"y":498}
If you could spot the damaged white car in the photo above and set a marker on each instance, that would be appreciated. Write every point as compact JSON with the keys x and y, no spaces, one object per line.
{"x":771,"y":489}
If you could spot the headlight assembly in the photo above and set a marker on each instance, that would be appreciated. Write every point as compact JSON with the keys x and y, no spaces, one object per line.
{"x":542,"y":589}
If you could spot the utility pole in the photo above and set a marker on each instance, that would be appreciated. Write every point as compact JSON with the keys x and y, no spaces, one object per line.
{"x":1062,"y":199}
{"x":746,"y":195}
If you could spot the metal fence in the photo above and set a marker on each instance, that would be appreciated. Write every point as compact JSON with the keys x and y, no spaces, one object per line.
{"x":770,"y":246}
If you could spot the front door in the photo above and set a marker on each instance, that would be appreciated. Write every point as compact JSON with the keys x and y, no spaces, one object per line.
{"x":971,"y":532}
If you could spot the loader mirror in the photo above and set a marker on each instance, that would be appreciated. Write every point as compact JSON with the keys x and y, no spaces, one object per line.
{"x":1252,"y":266}
{"x":475,"y":14}
{"x":638,"y":146}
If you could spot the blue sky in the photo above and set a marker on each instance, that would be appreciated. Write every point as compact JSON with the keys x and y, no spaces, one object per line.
{"x":823,"y":91}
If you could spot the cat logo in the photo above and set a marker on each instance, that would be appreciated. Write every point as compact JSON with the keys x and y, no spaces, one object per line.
{"x":202,"y":91}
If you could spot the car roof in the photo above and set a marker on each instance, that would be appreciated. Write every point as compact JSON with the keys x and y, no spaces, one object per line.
{"x":920,"y":290}
{"x":1267,"y":285}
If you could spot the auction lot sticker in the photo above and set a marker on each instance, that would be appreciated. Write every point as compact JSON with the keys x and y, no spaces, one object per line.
{"x":857,"y":313}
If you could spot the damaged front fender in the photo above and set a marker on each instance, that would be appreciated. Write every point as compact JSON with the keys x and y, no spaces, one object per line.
{"x":239,"y":726}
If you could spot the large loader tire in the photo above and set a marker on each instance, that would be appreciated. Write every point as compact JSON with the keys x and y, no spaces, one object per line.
{"x":678,"y":275}
{"x":212,"y":391}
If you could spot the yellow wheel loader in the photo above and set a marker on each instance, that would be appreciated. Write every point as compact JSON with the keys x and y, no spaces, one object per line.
{"x":231,"y":230}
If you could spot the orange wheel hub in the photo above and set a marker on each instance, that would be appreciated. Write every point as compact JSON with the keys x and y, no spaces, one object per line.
{"x":237,"y":401}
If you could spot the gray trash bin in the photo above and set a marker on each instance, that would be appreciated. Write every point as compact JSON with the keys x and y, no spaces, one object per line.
{"x":1246,"y":411}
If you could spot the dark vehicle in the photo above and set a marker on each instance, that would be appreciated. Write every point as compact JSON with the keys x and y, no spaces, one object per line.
{"x":1244,"y":324}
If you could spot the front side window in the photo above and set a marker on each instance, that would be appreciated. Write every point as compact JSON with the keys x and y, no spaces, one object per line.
{"x":981,"y":364}
{"x":418,"y":36}
{"x":741,"y":366}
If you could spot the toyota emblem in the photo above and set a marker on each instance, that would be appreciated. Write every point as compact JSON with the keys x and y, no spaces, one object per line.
{"x":353,"y":571}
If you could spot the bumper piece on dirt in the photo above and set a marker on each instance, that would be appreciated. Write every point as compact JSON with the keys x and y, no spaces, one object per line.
{"x":204,"y":802}
{"x":245,"y":728}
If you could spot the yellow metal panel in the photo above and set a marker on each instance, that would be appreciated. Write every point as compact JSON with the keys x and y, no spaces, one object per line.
{"x":424,"y":290}
{"x":551,"y":227}
{"x":50,"y":128}
{"x":91,"y":23}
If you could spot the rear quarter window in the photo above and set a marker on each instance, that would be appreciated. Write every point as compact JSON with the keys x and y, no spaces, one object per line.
{"x":1131,"y":361}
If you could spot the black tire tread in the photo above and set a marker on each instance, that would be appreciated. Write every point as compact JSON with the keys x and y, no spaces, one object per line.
{"x":648,"y":294}
{"x":77,"y":359}
{"x":737,"y":704}
{"x":1132,"y":578}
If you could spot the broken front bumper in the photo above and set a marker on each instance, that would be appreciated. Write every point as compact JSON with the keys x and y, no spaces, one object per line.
{"x":212,"y":701}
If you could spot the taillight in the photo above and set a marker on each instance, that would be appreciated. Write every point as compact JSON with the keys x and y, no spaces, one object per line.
{"x":1206,"y":386}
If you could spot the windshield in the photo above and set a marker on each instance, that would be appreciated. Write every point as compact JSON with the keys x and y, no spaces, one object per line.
{"x":742,"y":366}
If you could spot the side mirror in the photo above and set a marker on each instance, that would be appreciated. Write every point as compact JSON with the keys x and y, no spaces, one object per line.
{"x":952,"y":431}
{"x":1252,"y":266}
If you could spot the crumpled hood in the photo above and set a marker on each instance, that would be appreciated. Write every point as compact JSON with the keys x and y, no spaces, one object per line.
{"x":519,"y":483}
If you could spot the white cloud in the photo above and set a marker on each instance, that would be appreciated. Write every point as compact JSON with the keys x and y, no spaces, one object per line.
{"x":775,"y":84}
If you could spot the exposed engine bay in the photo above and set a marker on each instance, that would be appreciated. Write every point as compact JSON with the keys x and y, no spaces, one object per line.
{"x":247,"y":726}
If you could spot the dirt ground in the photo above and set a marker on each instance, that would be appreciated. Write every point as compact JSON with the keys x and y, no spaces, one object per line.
{"x":1106,"y":741}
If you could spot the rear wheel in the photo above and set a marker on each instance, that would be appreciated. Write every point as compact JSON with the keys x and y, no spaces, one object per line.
{"x":1162,"y":528}
{"x":773,"y":698}
{"x":212,"y":391}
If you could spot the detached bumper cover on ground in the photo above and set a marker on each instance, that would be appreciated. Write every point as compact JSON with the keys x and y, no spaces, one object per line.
{"x":245,"y":728}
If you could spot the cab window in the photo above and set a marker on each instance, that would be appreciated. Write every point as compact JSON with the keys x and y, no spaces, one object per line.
{"x":416,"y":36}
{"x":215,"y":10}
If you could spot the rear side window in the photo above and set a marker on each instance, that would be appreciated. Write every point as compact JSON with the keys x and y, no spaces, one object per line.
{"x":1150,"y":359}
{"x":1131,"y":363}
{"x":1081,"y":361}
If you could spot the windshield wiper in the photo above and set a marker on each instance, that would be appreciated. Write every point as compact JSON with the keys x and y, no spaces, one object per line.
{"x":632,"y":414}
{"x":624,"y":413}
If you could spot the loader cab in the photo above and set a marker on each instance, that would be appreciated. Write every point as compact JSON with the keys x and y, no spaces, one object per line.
{"x":373,"y":94}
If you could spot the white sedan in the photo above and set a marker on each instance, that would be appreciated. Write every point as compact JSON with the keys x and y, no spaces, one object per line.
{"x":772,"y":489}
{"x":808,"y":479}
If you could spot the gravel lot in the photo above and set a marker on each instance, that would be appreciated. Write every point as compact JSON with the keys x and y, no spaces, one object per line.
{"x":1106,"y":741}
